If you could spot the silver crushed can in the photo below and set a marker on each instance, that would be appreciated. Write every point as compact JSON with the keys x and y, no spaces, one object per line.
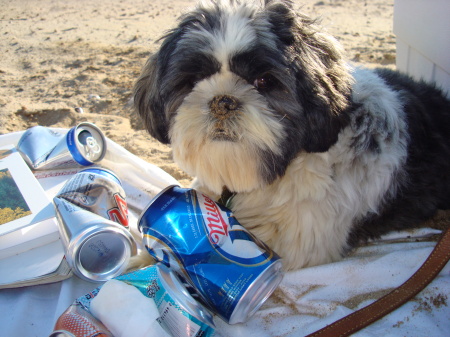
{"x":43,"y":148}
{"x":96,"y":248}
{"x":180,"y":314}
{"x":100,"y":191}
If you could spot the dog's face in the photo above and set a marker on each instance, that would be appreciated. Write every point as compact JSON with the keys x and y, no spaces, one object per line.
{"x":239,"y":91}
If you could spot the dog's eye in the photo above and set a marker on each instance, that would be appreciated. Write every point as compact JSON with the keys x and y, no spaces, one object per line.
{"x":265,"y":82}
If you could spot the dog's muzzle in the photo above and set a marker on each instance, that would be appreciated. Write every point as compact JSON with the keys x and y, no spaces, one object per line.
{"x":224,"y":108}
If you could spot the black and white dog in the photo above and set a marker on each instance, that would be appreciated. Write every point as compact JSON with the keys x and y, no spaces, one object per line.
{"x":318,"y":156}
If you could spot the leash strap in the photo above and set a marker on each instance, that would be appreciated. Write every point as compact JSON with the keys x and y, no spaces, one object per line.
{"x":388,"y":303}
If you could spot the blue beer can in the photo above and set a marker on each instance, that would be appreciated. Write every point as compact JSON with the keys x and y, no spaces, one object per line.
{"x":201,"y":240}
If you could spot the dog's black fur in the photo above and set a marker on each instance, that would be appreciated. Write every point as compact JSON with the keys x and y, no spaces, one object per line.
{"x":426,"y":178}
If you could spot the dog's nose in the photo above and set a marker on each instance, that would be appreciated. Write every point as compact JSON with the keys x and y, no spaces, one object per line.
{"x":223,"y":106}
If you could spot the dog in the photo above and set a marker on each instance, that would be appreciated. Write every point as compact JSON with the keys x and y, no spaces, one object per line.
{"x":312,"y":155}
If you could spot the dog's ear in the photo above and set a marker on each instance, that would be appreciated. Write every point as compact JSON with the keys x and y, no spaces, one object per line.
{"x":323,"y":80}
{"x":158,"y":89}
{"x":282,"y":19}
{"x":148,"y":101}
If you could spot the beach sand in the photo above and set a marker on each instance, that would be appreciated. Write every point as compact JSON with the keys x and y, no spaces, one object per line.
{"x":59,"y":56}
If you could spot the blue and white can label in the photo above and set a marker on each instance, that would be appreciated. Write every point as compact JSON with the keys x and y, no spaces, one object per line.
{"x":201,"y":240}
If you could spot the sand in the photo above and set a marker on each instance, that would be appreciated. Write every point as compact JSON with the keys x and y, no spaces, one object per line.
{"x":64,"y":62}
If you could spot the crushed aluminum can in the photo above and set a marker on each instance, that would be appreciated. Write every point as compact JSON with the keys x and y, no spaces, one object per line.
{"x":78,"y":322}
{"x":96,"y":248}
{"x":232,"y":270}
{"x":181,"y":314}
{"x":43,"y":148}
{"x":100,"y":191}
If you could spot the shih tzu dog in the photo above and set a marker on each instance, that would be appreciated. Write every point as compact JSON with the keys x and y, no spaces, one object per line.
{"x":313,"y":156}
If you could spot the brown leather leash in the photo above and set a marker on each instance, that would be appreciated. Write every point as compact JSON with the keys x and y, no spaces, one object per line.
{"x":388,"y":303}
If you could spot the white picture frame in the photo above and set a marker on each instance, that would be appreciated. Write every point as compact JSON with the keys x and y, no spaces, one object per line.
{"x":39,"y":205}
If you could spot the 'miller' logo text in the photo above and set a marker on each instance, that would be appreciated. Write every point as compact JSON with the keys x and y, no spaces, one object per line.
{"x":216,"y":225}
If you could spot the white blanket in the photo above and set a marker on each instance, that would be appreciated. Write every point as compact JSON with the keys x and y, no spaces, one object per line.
{"x":306,"y":300}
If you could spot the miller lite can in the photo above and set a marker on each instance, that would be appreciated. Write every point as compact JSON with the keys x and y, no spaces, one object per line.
{"x":100,"y":191}
{"x":43,"y":148}
{"x":233,"y":271}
